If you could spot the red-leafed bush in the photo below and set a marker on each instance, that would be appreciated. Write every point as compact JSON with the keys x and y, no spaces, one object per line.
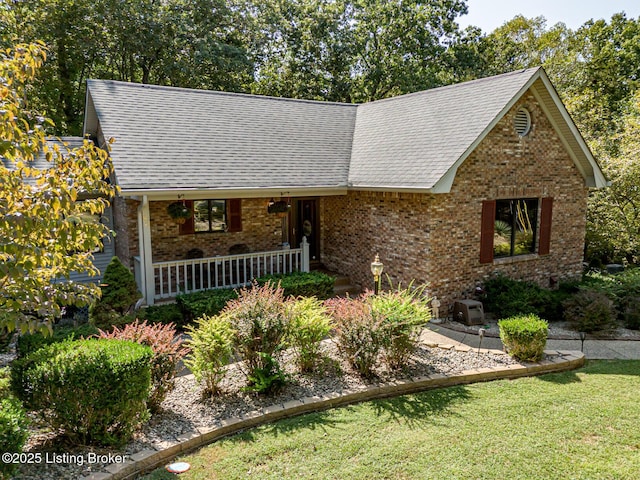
{"x":167,"y":352}
{"x":358,"y":332}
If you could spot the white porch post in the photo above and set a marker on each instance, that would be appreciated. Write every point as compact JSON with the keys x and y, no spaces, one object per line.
{"x":146,"y":255}
{"x":305,"y":255}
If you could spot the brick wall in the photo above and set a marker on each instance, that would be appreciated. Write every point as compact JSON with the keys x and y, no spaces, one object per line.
{"x":260,"y":232}
{"x":436,"y":238}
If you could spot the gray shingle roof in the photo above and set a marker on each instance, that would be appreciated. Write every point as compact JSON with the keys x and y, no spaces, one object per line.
{"x":413,"y":140}
{"x":175,"y":139}
{"x":168,"y":138}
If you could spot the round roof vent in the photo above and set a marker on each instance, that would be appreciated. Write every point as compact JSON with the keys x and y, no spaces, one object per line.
{"x":522,"y":122}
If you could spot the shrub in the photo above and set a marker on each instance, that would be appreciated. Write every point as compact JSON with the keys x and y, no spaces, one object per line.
{"x":94,"y":390}
{"x":524,"y":337}
{"x":119,"y":294}
{"x":631,"y":312}
{"x":13,"y":431}
{"x":302,"y":284}
{"x":309,"y":325}
{"x":505,"y":298}
{"x":30,"y":342}
{"x":164,"y":314}
{"x":13,"y":423}
{"x":206,"y":303}
{"x":400,"y":313}
{"x":357,"y":332}
{"x":590,"y":311}
{"x":167,"y":353}
{"x":211,"y":347}
{"x":261,"y":320}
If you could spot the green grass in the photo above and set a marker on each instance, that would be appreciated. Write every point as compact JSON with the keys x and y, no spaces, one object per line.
{"x":574,"y":425}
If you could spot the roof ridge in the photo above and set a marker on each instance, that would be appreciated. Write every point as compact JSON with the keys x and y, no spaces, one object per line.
{"x":202,"y":91}
{"x":490,"y":78}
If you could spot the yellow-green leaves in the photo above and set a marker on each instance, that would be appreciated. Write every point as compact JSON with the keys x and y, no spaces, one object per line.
{"x":47,"y":228}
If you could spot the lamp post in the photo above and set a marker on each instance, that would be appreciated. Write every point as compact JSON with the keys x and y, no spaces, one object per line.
{"x":376,"y":270}
{"x":583,"y":335}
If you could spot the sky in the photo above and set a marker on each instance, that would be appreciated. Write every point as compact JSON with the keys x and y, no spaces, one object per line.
{"x":490,"y":14}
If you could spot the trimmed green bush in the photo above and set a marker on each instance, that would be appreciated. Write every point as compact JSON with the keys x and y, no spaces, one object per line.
{"x":590,"y":311}
{"x":261,"y":320}
{"x":211,"y":347}
{"x":164,"y":314}
{"x":302,"y":284}
{"x":94,"y":390}
{"x":401,"y":312}
{"x":524,"y":337}
{"x":211,"y":302}
{"x":13,"y":431}
{"x":310,"y":324}
{"x":119,"y":295}
{"x":206,"y":303}
{"x":30,"y":342}
{"x":505,"y":297}
{"x":13,"y":423}
{"x":631,"y":312}
{"x":357,"y":332}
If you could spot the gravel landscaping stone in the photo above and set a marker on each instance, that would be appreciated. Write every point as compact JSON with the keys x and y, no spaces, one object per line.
{"x":185,"y":409}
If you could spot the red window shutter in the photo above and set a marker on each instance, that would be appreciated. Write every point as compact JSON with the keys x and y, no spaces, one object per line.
{"x":486,"y":231}
{"x":234,"y":215}
{"x":188,"y":226}
{"x":545,"y":226}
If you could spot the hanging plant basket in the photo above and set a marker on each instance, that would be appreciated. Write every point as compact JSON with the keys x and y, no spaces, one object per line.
{"x":179,"y":212}
{"x":280,"y":207}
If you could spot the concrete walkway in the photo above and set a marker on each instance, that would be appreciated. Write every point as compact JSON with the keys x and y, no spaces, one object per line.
{"x":593,"y":349}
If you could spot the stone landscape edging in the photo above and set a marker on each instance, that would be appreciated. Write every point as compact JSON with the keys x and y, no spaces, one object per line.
{"x":146,"y":460}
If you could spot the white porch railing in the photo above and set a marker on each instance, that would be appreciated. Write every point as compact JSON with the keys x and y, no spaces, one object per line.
{"x":193,"y":275}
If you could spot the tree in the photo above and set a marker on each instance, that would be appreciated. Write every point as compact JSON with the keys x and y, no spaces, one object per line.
{"x":45,"y":232}
{"x":613,"y":219}
{"x":351,"y":50}
{"x":184,"y":43}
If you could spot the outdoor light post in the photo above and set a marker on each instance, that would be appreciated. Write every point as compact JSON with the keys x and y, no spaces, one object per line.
{"x":583,"y":335}
{"x":376,"y":269}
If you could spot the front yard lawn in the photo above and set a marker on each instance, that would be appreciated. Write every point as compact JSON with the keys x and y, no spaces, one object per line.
{"x":580,"y":425}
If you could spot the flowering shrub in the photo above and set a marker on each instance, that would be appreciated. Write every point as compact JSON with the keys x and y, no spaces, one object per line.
{"x":167,"y":352}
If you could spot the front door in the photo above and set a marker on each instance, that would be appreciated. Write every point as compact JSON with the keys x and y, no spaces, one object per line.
{"x":307,"y":224}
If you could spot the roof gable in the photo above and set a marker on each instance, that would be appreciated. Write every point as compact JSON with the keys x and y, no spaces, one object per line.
{"x":173,"y":139}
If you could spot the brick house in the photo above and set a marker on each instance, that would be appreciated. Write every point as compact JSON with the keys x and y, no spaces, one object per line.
{"x":448,"y":186}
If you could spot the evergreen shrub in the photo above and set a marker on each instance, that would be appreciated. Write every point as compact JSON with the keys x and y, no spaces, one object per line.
{"x":95,"y":391}
{"x":524,"y":336}
{"x":119,"y":295}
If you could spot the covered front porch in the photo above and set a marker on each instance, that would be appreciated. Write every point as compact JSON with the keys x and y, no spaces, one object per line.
{"x":170,"y":278}
{"x":223,"y":244}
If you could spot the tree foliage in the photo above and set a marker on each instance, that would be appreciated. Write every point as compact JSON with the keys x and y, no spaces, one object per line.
{"x":613,"y":220}
{"x":45,"y":230}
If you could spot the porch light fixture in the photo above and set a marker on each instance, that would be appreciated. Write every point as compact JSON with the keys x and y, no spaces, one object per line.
{"x":376,"y":270}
